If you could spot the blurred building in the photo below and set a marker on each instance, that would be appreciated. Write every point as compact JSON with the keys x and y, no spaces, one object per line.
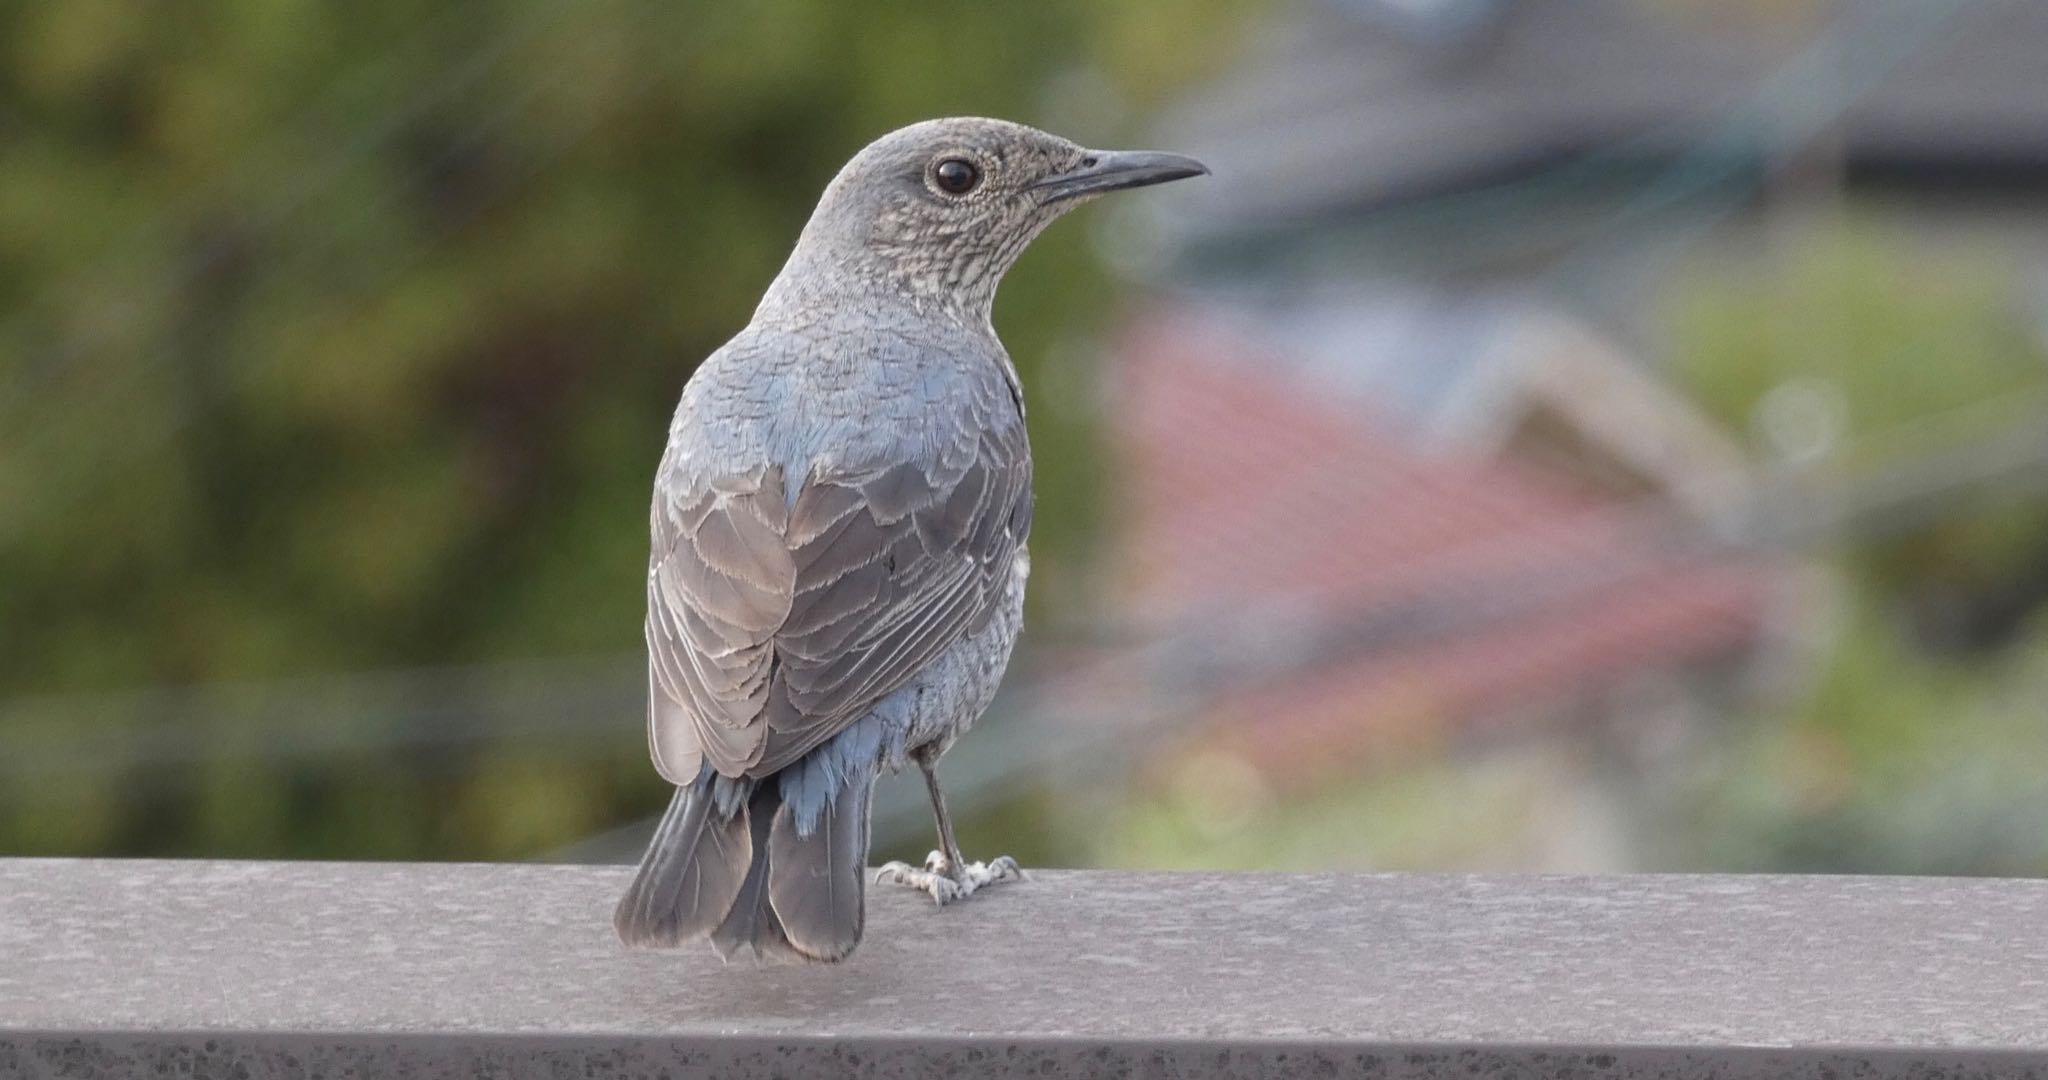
{"x":1367,"y":524}
{"x":1400,"y":474}
{"x":1496,"y":139}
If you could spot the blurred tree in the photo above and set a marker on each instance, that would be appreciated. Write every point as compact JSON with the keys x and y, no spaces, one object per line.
{"x":1860,"y":352}
{"x":1915,"y":749}
{"x":345,"y":336}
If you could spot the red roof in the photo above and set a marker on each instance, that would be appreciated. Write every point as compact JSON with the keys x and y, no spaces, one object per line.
{"x":1250,"y":490}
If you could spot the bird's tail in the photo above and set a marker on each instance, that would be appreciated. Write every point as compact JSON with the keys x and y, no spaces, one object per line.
{"x":693,"y":869}
{"x":743,"y":874}
{"x":817,"y":881}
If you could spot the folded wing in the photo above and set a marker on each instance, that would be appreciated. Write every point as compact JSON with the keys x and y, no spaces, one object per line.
{"x":774,"y":623}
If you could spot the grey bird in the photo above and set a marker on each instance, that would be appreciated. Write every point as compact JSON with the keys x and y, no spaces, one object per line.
{"x":839,"y":531}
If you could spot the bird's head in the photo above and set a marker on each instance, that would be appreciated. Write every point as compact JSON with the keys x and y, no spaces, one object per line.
{"x":942,"y":208}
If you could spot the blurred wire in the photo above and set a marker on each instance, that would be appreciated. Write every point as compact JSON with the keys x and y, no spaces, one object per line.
{"x":1724,"y":159}
{"x":1919,"y":475}
{"x":1724,"y":169}
{"x":561,"y":700}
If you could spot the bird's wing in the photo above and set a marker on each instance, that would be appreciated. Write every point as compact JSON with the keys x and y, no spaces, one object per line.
{"x":772,"y":624}
{"x":719,"y":585}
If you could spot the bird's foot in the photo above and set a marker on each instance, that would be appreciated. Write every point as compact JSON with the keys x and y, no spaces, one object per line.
{"x":947,"y":882}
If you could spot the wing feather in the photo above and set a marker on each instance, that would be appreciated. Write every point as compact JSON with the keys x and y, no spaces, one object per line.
{"x":773,"y":623}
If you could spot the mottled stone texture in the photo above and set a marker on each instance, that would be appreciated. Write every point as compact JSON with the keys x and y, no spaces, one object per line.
{"x":116,"y":969}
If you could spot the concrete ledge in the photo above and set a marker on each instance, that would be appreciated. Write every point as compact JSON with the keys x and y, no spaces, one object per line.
{"x":114,"y":969}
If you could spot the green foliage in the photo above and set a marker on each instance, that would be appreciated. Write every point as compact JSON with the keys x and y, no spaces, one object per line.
{"x":1916,"y":747}
{"x":1899,"y":762}
{"x":1902,"y":332}
{"x":345,"y":336}
{"x":1416,"y":813}
{"x":1920,"y":346}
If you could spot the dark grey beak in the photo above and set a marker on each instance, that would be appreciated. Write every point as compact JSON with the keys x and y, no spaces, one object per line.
{"x":1114,"y":170}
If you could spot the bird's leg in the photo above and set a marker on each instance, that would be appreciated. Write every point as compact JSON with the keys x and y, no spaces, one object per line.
{"x":947,"y":875}
{"x":948,"y":854}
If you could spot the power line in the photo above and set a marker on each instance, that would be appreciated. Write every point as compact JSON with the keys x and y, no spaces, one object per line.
{"x":560,"y":700}
{"x":1792,"y":105}
{"x":1795,"y":106}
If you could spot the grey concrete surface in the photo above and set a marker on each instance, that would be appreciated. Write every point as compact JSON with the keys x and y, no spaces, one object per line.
{"x":115,"y":969}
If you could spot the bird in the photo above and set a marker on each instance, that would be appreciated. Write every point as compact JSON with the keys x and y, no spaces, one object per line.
{"x":839,"y":541}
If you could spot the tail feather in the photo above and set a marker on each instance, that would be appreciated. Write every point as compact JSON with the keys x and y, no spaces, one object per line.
{"x":728,"y":861}
{"x":694,"y":868}
{"x":817,"y":883}
{"x":752,"y":922}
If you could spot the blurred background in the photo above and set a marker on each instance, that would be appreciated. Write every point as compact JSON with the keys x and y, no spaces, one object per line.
{"x":1562,"y":435}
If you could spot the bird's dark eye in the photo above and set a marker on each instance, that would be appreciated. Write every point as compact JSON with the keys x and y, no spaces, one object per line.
{"x":956,"y":176}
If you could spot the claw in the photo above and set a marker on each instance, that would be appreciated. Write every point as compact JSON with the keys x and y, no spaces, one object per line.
{"x":947,"y":883}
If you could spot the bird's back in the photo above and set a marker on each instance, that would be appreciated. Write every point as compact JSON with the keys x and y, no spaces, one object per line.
{"x":842,"y":392}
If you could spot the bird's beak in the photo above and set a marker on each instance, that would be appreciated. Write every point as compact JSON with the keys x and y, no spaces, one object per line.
{"x":1114,"y":170}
